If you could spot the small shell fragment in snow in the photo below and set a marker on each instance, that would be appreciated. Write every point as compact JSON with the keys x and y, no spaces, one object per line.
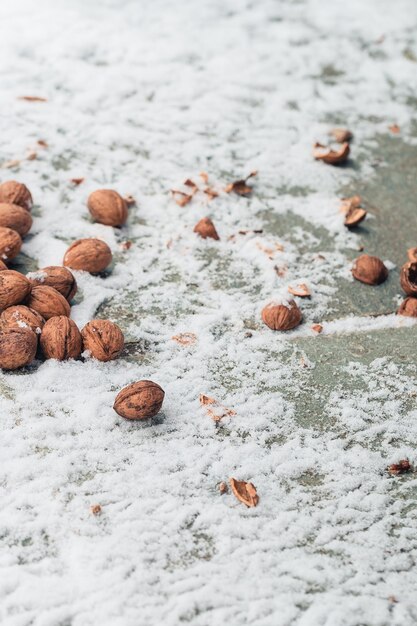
{"x":354,"y":216}
{"x":302,"y":291}
{"x":317,"y":328}
{"x":185,"y":339}
{"x":95,"y":509}
{"x":402,"y":467}
{"x":394,"y":128}
{"x":245,"y":492}
{"x":222,"y":488}
{"x":330,"y":156}
{"x":241,"y":187}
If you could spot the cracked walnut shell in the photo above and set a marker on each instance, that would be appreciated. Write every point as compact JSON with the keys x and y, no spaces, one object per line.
{"x":282,"y":316}
{"x":107,"y":207}
{"x":17,"y":347}
{"x":408,"y":307}
{"x":61,"y":339}
{"x":103,"y":339}
{"x":408,"y":278}
{"x":206,"y":229}
{"x":90,"y":255}
{"x":139,"y":400}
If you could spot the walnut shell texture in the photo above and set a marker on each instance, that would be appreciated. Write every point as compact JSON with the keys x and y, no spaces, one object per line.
{"x":329,"y":156}
{"x":14,"y":288}
{"x":10,"y":243}
{"x":90,"y":255}
{"x":107,"y":207}
{"x":408,"y":278}
{"x":60,"y":278}
{"x":61,"y":339}
{"x":139,"y":400}
{"x":17,"y":347}
{"x":369,"y":270}
{"x":16,"y":193}
{"x":21,"y":316}
{"x":206,"y":229}
{"x":103,"y":339}
{"x":15,"y":217}
{"x":408,"y":307}
{"x":47,"y":301}
{"x":282,"y":316}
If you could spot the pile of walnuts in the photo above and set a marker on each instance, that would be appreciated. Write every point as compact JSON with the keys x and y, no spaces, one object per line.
{"x":35,"y":309}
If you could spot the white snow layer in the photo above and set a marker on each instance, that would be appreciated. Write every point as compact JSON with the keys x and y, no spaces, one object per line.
{"x":141,"y":96}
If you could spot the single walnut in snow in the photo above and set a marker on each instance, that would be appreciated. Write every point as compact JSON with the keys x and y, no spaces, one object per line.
{"x":103,"y":339}
{"x":47,"y":301}
{"x":10,"y":243}
{"x":139,"y":400}
{"x":15,"y":217}
{"x":61,"y":339}
{"x":370,"y":270}
{"x":107,"y":207}
{"x":21,"y":316}
{"x":60,"y":278}
{"x":282,"y":316}
{"x":14,"y":288}
{"x":206,"y":229}
{"x":16,"y":193}
{"x":408,"y":278}
{"x":89,"y":255}
{"x":17,"y":347}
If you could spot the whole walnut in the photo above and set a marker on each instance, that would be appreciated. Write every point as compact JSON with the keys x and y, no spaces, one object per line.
{"x":90,"y":255}
{"x":139,"y":400}
{"x":103,"y":339}
{"x":10,"y":243}
{"x":58,"y":277}
{"x":14,"y":288}
{"x":107,"y":207}
{"x":16,"y":193}
{"x":47,"y":301}
{"x":21,"y":316}
{"x":206,"y":229}
{"x":408,"y":278}
{"x":61,"y":339}
{"x":282,"y":316}
{"x":370,"y":270}
{"x":17,"y":347}
{"x":15,"y":217}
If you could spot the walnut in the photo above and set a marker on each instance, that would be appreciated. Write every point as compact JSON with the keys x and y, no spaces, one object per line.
{"x":61,"y":339}
{"x":139,"y":400}
{"x":16,"y":193}
{"x":17,"y":347}
{"x":282,"y":316}
{"x":107,"y":207}
{"x":10,"y":243}
{"x":90,"y":255}
{"x":21,"y":316}
{"x":15,"y":217}
{"x":14,"y":288}
{"x":47,"y":301}
{"x":60,"y":278}
{"x":370,"y":270}
{"x":103,"y":339}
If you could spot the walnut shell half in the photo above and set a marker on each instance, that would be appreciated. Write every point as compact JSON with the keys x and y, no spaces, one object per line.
{"x":103,"y":339}
{"x":408,"y":278}
{"x":15,"y":217}
{"x":139,"y":400}
{"x":282,"y":316}
{"x":58,"y":277}
{"x":16,"y":193}
{"x":17,"y":347}
{"x":14,"y":288}
{"x":21,"y":316}
{"x":206,"y":229}
{"x":47,"y":301}
{"x":61,"y":339}
{"x":408,"y":307}
{"x":369,"y":270}
{"x":10,"y":243}
{"x":90,"y":255}
{"x":107,"y":207}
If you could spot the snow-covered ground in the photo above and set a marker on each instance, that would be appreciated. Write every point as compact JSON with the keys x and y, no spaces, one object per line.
{"x":139,"y":97}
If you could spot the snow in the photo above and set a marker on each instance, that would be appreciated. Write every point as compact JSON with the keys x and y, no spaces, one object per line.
{"x":141,"y":96}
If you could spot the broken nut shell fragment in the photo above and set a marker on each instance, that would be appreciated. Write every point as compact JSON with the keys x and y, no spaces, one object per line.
{"x":408,"y":278}
{"x":206,"y":229}
{"x":408,"y":307}
{"x":330,"y":156}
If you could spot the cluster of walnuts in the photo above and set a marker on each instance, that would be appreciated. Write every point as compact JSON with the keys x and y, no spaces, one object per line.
{"x":35,"y":309}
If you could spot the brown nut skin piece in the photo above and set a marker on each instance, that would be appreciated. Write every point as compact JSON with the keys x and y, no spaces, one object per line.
{"x":107,"y":207}
{"x":61,"y":339}
{"x":14,"y":288}
{"x":408,"y":307}
{"x":13,"y":192}
{"x":47,"y":301}
{"x":10,"y":243}
{"x":139,"y":400}
{"x":56,"y":276}
{"x":17,"y":347}
{"x":103,"y":339}
{"x":15,"y":217}
{"x":90,"y":255}
{"x":369,"y":270}
{"x":281,"y":316}
{"x":20,"y":316}
{"x":3,"y":266}
{"x":408,"y":278}
{"x":206,"y":229}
